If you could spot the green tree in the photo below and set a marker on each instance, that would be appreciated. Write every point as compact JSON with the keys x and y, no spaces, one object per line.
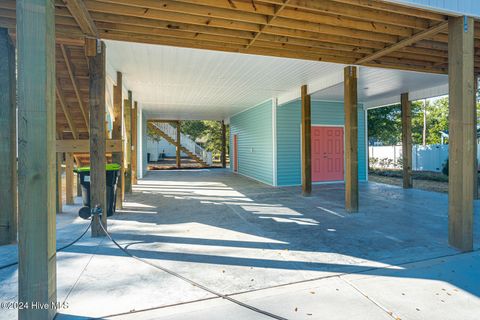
{"x":385,"y":125}
{"x":212,"y":136}
{"x":437,"y":120}
{"x":193,"y":128}
{"x":417,"y":122}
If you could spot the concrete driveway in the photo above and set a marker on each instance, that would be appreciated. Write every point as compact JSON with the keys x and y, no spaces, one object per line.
{"x":271,"y":248}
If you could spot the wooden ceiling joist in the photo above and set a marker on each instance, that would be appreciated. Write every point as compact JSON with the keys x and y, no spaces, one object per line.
{"x":82,"y":17}
{"x":269,"y":21}
{"x":372,"y":14}
{"x":371,"y":32}
{"x":405,"y":42}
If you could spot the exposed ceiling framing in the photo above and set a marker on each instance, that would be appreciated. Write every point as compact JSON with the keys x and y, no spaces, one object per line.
{"x":365,"y":32}
{"x":370,"y":32}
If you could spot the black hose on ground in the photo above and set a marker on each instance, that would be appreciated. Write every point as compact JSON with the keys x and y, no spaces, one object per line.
{"x":58,"y":250}
{"x":193,"y":283}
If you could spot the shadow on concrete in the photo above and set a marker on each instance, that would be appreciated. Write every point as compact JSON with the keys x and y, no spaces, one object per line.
{"x":394,"y":226}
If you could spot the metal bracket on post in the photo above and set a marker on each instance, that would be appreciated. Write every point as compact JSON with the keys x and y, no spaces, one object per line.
{"x":97,"y":211}
{"x":99,"y":46}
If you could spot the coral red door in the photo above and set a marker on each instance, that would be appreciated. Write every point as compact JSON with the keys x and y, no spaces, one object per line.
{"x":327,"y":154}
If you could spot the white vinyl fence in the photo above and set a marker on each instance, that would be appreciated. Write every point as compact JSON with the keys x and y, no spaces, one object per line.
{"x":424,"y":158}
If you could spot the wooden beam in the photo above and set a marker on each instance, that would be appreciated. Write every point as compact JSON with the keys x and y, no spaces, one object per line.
{"x":277,"y":11}
{"x":178,"y":153}
{"x":303,"y":15}
{"x":68,"y":64}
{"x":461,"y":128}
{"x":224,"y":145}
{"x":62,"y":36}
{"x":83,"y":146}
{"x":36,"y":157}
{"x":82,"y":17}
{"x":405,"y":42}
{"x":351,"y":139}
{"x":66,"y":112}
{"x":127,"y":114}
{"x":59,"y":190}
{"x":306,"y":142}
{"x":367,"y":14}
{"x":118,"y":157}
{"x":407,"y":141}
{"x":134,"y":142}
{"x":97,"y":71}
{"x":8,"y":141}
{"x":69,"y":178}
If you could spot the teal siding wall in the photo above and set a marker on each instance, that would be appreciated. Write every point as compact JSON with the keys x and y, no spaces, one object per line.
{"x":288,"y":137}
{"x":253,"y":128}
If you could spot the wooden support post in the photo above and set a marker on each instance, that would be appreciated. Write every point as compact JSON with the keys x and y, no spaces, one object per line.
{"x":8,"y":141}
{"x":37,"y":276}
{"x":134,"y":142}
{"x":407,"y":141}
{"x":59,"y":190}
{"x":117,"y":157}
{"x":79,"y":186}
{"x":224,"y":145}
{"x":127,"y":113}
{"x":98,"y":158}
{"x":69,"y":178}
{"x":179,"y":158}
{"x":351,"y":139}
{"x":306,"y":143}
{"x":461,"y":129}
{"x":475,"y":139}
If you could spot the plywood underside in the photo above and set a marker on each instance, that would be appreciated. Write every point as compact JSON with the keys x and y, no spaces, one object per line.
{"x":341,"y":31}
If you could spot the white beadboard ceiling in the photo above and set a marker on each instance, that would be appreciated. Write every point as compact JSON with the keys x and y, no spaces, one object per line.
{"x":378,"y":87}
{"x":179,"y":83}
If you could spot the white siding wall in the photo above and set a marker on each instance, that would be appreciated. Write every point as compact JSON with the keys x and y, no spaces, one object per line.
{"x":462,"y":7}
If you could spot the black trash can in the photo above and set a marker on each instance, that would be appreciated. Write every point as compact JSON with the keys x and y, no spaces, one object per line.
{"x":112,"y":172}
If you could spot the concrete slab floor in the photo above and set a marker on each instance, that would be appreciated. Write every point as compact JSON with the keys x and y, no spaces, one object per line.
{"x":299,"y":258}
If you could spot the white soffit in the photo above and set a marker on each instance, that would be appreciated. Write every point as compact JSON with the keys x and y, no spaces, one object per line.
{"x":180,"y":83}
{"x":187,"y":84}
{"x":379,"y":87}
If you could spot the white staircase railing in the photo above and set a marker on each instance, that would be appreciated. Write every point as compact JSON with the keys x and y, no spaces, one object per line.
{"x":185,"y":141}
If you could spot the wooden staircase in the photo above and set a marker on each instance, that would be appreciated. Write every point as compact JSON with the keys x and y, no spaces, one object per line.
{"x":182,"y":148}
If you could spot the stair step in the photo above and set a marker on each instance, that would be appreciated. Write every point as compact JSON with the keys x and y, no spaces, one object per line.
{"x":182,"y":148}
